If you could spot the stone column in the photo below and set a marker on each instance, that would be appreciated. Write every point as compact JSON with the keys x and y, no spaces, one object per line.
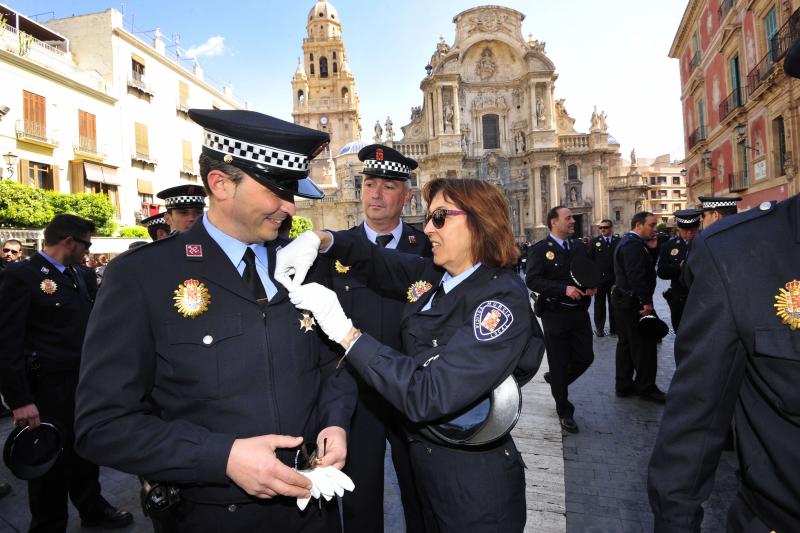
{"x":549,"y":106}
{"x":536,"y":199}
{"x":555,"y":186}
{"x":456,"y":111}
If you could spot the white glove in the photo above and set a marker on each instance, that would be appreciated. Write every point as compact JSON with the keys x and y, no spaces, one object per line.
{"x":325,"y":306}
{"x":325,"y":482}
{"x":295,"y":259}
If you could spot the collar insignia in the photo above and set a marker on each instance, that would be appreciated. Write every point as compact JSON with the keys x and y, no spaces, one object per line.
{"x":194,"y":250}
{"x":191,"y":298}
{"x":788,"y":304}
{"x":45,"y":270}
{"x":307,"y":322}
{"x":412,"y":239}
{"x":340,"y":268}
{"x":417,"y":289}
{"x":48,"y":286}
{"x":550,"y":255}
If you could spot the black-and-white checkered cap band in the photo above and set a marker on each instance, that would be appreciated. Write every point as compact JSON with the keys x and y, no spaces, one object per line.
{"x":256,"y":153}
{"x":714,"y":205}
{"x":184,"y":200}
{"x":693,"y":220}
{"x":156,"y":221}
{"x":391,"y":166}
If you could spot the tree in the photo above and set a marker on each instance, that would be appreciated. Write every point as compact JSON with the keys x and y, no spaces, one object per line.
{"x":91,"y":206}
{"x":22,"y":206}
{"x":134,"y":232}
{"x":299,"y":225}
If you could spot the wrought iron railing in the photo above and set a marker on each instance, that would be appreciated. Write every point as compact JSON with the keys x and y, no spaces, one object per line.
{"x":724,"y":8}
{"x":779,"y":45}
{"x":738,"y":181}
{"x":730,"y":103}
{"x":696,"y":136}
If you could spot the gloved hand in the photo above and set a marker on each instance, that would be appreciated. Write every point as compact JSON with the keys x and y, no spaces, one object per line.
{"x":295,"y":259}
{"x":325,"y":306}
{"x":325,"y":482}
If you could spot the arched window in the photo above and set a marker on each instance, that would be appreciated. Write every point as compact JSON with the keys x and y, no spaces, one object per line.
{"x":301,"y":97}
{"x":491,"y":131}
{"x":334,"y":54}
{"x":323,"y":67}
{"x":345,"y":93}
{"x":572,"y":172}
{"x":311,"y":57}
{"x":335,"y":68}
{"x":311,"y":68}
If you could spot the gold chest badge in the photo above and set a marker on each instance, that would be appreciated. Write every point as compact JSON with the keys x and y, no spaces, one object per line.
{"x":191,"y":298}
{"x":417,"y":289}
{"x":550,"y":255}
{"x":340,"y":268}
{"x":48,"y":286}
{"x":788,"y":304}
{"x":673,"y":252}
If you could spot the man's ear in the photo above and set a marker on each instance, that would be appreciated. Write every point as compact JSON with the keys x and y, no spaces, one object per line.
{"x":220,"y":185}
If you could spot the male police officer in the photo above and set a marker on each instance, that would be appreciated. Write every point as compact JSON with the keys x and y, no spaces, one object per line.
{"x":715,"y":208}
{"x":671,"y":260}
{"x":185,"y":204}
{"x":384,"y":192}
{"x":632,"y":299}
{"x":157,"y":226}
{"x":215,"y":381}
{"x":601,"y":251}
{"x":567,"y":330}
{"x":46,"y":305}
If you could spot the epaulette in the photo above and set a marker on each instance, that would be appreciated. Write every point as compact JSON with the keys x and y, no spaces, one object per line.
{"x":149,"y":245}
{"x":541,"y":242}
{"x":730,"y":221}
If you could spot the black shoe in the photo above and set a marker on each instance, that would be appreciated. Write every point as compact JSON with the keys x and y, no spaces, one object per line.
{"x":654,"y":395}
{"x":108,"y":517}
{"x":600,"y":333}
{"x":568,"y":424}
{"x":5,"y":489}
{"x":547,"y":377}
{"x":624,"y":393}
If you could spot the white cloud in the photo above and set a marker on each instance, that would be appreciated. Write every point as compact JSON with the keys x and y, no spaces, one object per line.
{"x":214,"y":46}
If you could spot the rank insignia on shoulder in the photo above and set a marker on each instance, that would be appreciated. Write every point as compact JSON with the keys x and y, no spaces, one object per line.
{"x":340,"y":268}
{"x":417,"y":289}
{"x":191,"y":298}
{"x":673,"y":252}
{"x":550,"y":255}
{"x":788,"y":304}
{"x":307,"y":322}
{"x":412,"y":239}
{"x":48,"y":286}
{"x":194,"y":250}
{"x":491,"y":320}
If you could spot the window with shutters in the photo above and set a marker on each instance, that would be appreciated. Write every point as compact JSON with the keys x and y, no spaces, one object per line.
{"x":188,"y":160}
{"x":34,"y":115}
{"x":142,"y":144}
{"x":183,"y":96}
{"x":110,"y":191}
{"x":87,"y":132}
{"x":770,"y":29}
{"x":137,"y":70}
{"x":40,"y":175}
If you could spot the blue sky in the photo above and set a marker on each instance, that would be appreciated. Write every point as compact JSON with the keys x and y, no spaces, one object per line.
{"x":609,"y":53}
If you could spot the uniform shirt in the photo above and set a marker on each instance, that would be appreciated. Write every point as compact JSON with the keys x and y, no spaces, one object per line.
{"x":449,"y":282}
{"x":670,"y":263}
{"x":397,"y":232}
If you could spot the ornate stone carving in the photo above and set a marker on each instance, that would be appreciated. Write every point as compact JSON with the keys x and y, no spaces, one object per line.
{"x":518,"y":97}
{"x":378,"y":132}
{"x":540,"y":112}
{"x":535,"y":45}
{"x":488,"y":22}
{"x":486,"y":66}
{"x":389,"y":130}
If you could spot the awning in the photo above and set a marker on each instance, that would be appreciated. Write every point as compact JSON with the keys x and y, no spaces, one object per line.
{"x":100,"y":174}
{"x":144,"y":186}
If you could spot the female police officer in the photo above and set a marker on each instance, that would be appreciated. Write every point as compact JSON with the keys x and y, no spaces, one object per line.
{"x":467,"y":327}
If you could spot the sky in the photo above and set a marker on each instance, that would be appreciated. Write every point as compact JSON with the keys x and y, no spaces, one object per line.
{"x":608,"y":53}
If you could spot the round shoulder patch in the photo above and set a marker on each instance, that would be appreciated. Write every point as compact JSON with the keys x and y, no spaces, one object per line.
{"x":491,"y":320}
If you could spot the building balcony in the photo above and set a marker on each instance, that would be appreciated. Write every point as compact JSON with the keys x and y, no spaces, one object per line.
{"x":87,"y":148}
{"x":732,"y":102}
{"x":35,"y":133}
{"x":182,"y":106}
{"x":696,"y":58}
{"x":738,"y":181}
{"x":189,"y":171}
{"x":724,"y":8}
{"x":696,"y":137}
{"x":412,"y":150}
{"x":779,"y":46}
{"x":143,"y":158}
{"x":139,"y":85}
{"x":627,"y":182}
{"x":574,"y":142}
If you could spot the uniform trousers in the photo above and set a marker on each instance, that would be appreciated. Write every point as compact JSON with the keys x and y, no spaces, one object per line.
{"x":742,"y":519}
{"x":373,"y":422}
{"x":479,"y":490}
{"x":54,"y":394}
{"x":602,"y":297}
{"x":636,"y":356}
{"x":676,"y":305}
{"x":568,"y":339}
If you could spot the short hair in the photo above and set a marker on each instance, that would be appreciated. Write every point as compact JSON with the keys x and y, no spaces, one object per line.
{"x":726,"y":211}
{"x":610,"y":223}
{"x":208,"y":163}
{"x":640,"y":217}
{"x":488,"y":218}
{"x":553,"y":214}
{"x":65,"y":225}
{"x":12,"y":241}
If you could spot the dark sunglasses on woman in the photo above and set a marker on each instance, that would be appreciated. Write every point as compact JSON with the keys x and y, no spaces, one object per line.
{"x":440,"y":215}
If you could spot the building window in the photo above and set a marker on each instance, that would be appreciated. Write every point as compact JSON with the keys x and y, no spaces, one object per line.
{"x":311,"y":57}
{"x":142,"y":142}
{"x":653,"y":194}
{"x":770,"y":29}
{"x":662,"y":180}
{"x":652,"y":180}
{"x":663,"y":207}
{"x":335,"y":68}
{"x":779,"y":137}
{"x":735,"y":81}
{"x":676,"y":180}
{"x":676,"y":194}
{"x":323,"y":67}
{"x":110,"y":191}
{"x":40,"y":175}
{"x":145,"y":198}
{"x":701,"y":119}
{"x":301,"y":97}
{"x":311,"y":68}
{"x":334,"y":54}
{"x":357,"y":180}
{"x":188,"y":160}
{"x":572,"y":172}
{"x":34,"y":115}
{"x":617,"y":215}
{"x":491,"y":131}
{"x":87,"y":132}
{"x":137,"y":70}
{"x":183,"y":94}
{"x":662,"y":194}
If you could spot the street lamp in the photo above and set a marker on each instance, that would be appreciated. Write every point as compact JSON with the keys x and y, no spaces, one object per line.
{"x":11,"y":160}
{"x":741,"y":135}
{"x":683,"y":172}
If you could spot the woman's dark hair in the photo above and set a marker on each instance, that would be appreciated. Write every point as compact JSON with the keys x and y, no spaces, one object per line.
{"x":487,"y":218}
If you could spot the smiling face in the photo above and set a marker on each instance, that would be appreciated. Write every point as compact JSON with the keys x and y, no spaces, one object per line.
{"x":452,"y":243}
{"x":383,"y":201}
{"x":563,"y":227}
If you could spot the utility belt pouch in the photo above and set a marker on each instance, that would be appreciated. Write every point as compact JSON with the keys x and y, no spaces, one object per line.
{"x":160,"y":502}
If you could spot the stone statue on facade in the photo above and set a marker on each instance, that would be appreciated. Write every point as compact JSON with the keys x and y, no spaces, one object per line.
{"x":465,"y":139}
{"x":413,"y":205}
{"x":378,"y":132}
{"x":595,"y":120}
{"x":449,"y":125}
{"x":540,"y":112}
{"x":389,"y":130}
{"x":633,"y":157}
{"x":601,"y":121}
{"x":486,"y":67}
{"x":573,"y":196}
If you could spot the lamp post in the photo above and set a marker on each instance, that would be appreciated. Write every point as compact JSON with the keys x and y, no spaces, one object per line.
{"x":11,"y":160}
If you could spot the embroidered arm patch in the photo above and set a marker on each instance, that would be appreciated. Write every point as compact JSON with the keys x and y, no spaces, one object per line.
{"x":491,"y":320}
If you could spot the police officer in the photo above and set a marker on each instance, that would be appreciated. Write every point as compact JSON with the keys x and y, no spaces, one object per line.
{"x":565,"y":320}
{"x":715,"y":208}
{"x":385,"y":190}
{"x":214,"y":383}
{"x":671,"y":260}
{"x":632,"y":299}
{"x":184,"y":204}
{"x":157,"y":226}
{"x":601,"y":251}
{"x":46,"y":305}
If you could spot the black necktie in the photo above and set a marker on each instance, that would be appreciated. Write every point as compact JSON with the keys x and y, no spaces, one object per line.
{"x":608,"y":240}
{"x":384,"y":240}
{"x":251,"y":277}
{"x":566,"y":245}
{"x":437,"y":295}
{"x":70,"y":273}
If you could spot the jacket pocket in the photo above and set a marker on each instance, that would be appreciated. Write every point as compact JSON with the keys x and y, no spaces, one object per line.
{"x":777,"y":357}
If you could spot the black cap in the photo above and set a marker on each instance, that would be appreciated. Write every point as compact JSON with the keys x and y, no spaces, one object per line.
{"x":274,"y":152}
{"x":154,"y":220}
{"x":584,"y":272}
{"x":651,"y":327}
{"x":183,"y":196}
{"x":384,"y":162}
{"x":715,"y":202}
{"x":688,"y":218}
{"x":791,"y":64}
{"x":30,"y":453}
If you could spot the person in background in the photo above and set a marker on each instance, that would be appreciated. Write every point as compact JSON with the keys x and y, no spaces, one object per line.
{"x":157,"y":226}
{"x":672,"y":258}
{"x":12,"y":253}
{"x":601,"y":251}
{"x":184,"y":204}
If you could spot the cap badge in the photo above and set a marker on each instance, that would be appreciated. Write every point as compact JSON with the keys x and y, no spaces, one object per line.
{"x":340,"y":268}
{"x":788,"y":304}
{"x":674,"y":252}
{"x":491,"y":320}
{"x":412,"y":239}
{"x":417,"y":289}
{"x":194,"y":250}
{"x":550,"y":255}
{"x":307,"y":322}
{"x":228,"y":158}
{"x":191,"y":298}
{"x":48,"y":286}
{"x":379,"y":154}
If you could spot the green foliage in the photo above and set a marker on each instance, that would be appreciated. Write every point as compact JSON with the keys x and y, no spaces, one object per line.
{"x":134,"y":232}
{"x":299,"y":225}
{"x":24,"y":207}
{"x":91,"y":206}
{"x":661,"y":227}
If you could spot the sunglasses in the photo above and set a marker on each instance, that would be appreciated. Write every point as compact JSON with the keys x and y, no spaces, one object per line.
{"x":10,"y":251}
{"x":438,"y":216}
{"x":604,"y":227}
{"x":87,"y":244}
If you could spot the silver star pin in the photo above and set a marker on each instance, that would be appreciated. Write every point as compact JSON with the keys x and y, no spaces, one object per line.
{"x":307,"y":322}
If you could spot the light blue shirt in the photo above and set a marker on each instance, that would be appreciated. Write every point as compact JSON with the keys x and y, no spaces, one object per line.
{"x":559,"y":241}
{"x":235,"y":249}
{"x":61,"y":268}
{"x":449,"y":282}
{"x":396,"y":233}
